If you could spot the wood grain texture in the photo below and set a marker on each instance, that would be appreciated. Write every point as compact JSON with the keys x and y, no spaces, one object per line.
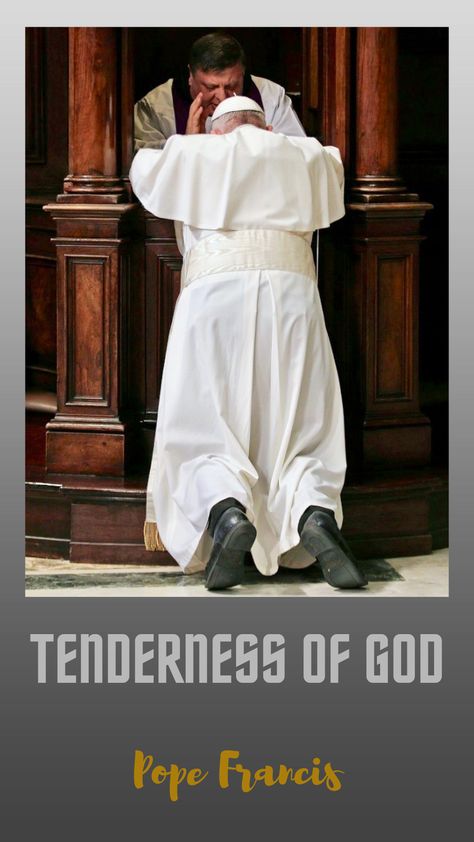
{"x":88,"y":433}
{"x":88,"y":452}
{"x":100,"y":520}
{"x":47,"y":515}
{"x":311,"y":79}
{"x":335,"y":82}
{"x":111,"y":521}
{"x":94,"y":112}
{"x":93,"y":101}
{"x":376,"y":102}
{"x":380,"y":351}
{"x":163,"y":275}
{"x":393,"y":317}
{"x":88,"y":329}
{"x":399,"y":443}
{"x":112,"y":347}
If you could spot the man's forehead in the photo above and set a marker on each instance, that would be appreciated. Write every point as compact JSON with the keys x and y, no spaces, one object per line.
{"x":219,"y":76}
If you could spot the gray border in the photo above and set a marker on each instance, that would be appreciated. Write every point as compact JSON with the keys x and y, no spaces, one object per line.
{"x":403,"y":747}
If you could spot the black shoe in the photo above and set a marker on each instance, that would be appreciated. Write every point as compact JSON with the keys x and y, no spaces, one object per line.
{"x":321,"y":537}
{"x":233,"y":538}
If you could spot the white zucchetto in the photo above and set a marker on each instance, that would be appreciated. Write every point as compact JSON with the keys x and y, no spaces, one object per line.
{"x":236,"y":103}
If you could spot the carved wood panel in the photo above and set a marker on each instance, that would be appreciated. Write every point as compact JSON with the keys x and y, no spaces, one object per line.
{"x":88,"y":326}
{"x":391,"y":331}
{"x":386,"y":426}
{"x":163,"y":277}
{"x":88,"y":335}
{"x":393,"y":313}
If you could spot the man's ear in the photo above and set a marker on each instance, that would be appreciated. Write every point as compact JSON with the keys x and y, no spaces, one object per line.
{"x":190,"y":75}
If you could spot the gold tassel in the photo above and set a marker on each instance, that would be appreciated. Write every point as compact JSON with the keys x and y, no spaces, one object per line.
{"x":151,"y":537}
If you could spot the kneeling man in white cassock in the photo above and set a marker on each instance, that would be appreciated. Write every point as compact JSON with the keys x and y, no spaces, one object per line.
{"x":249,"y":450}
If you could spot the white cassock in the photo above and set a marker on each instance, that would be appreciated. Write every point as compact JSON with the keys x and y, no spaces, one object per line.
{"x":250,"y":404}
{"x":155,"y":119}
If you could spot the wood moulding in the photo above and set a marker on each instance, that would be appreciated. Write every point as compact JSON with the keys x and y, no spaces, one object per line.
{"x":89,"y":433}
{"x":100,"y":520}
{"x":386,"y":428}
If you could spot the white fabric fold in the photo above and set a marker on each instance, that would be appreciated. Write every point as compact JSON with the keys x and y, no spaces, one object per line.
{"x":249,"y":408}
{"x":228,"y":181}
{"x":251,"y":249}
{"x":250,"y":405}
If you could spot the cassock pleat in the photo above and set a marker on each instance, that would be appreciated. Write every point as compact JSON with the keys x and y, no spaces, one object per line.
{"x":250,"y":408}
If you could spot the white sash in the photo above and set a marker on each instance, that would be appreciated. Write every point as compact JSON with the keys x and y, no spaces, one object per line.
{"x":248,"y":249}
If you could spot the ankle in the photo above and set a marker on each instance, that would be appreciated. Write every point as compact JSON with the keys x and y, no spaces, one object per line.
{"x":218,"y":510}
{"x":309,"y":511}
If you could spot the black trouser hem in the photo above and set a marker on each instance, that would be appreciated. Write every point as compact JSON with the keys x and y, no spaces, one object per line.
{"x":219,"y":508}
{"x":309,"y":511}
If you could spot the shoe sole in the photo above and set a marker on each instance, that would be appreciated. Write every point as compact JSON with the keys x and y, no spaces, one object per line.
{"x":319,"y":542}
{"x":227,"y":568}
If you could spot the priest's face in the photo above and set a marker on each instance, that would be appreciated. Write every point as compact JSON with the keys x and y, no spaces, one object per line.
{"x":216,"y":86}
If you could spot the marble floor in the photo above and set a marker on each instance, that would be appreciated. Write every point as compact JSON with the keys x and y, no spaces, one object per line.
{"x":415,"y":576}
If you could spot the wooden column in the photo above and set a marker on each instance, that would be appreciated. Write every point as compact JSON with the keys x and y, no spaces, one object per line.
{"x":94,"y":113}
{"x":89,"y":433}
{"x":376,"y":112}
{"x":381,"y":296}
{"x":335,"y":113}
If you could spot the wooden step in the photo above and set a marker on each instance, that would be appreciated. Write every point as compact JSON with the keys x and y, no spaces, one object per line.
{"x":100,"y":520}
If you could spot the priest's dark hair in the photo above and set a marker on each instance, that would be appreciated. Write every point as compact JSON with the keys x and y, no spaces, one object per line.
{"x":216,"y":51}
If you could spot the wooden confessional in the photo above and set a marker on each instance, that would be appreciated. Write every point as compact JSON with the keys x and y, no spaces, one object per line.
{"x":102,"y":277}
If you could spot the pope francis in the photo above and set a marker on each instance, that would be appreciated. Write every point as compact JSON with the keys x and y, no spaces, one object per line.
{"x":249,"y":449}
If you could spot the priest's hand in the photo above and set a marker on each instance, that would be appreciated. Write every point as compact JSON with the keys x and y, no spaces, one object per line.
{"x":197,"y":117}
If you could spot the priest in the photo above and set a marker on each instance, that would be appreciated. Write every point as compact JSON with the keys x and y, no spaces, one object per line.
{"x":249,"y":450}
{"x":185,"y":104}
